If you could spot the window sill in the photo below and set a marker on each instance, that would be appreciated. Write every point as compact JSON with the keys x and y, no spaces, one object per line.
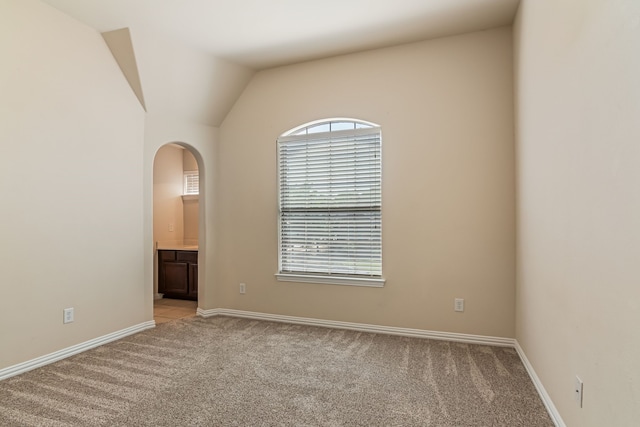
{"x":331,"y":280}
{"x":190,"y":197}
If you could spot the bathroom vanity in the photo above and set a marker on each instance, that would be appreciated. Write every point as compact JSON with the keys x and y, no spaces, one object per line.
{"x":178,"y":273}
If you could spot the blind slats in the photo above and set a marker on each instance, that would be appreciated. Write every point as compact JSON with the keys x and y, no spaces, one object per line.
{"x":191,"y":183}
{"x":330,"y":202}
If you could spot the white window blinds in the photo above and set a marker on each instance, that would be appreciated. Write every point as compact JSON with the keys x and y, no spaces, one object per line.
{"x":191,"y":182}
{"x":330,"y":201}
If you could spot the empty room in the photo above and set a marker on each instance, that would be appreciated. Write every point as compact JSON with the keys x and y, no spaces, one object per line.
{"x":336,"y":213}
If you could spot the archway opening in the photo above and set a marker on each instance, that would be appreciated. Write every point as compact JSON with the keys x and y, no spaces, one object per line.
{"x":176,"y":231}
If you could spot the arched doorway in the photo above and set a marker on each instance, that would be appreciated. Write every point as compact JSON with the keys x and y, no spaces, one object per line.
{"x":176,"y":236}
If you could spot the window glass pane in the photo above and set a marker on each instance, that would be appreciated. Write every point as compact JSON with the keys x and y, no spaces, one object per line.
{"x":342,"y":126}
{"x":322,"y":127}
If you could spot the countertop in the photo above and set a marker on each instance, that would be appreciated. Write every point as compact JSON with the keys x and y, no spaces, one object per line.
{"x":175,"y":246}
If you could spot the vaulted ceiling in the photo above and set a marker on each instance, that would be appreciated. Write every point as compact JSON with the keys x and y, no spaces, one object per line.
{"x":196,"y":56}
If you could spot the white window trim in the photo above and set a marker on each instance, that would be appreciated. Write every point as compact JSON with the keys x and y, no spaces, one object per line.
{"x":372,"y":282}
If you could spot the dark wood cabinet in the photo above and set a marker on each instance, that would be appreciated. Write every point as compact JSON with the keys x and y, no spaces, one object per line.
{"x":178,"y":274}
{"x":193,"y":281}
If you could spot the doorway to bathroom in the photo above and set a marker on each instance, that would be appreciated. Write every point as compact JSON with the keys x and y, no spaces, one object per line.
{"x":176,"y":199}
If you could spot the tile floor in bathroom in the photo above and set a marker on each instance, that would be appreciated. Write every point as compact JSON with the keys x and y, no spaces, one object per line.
{"x":166,"y":310}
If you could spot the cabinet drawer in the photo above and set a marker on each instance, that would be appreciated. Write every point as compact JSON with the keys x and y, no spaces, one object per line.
{"x":190,"y":257}
{"x":167,"y":255}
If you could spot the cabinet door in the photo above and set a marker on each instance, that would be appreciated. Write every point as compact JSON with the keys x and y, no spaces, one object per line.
{"x":164,"y":257}
{"x":193,"y":280}
{"x":175,"y":278}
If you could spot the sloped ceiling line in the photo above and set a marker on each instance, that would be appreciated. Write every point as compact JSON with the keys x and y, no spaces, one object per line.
{"x":121,"y":47}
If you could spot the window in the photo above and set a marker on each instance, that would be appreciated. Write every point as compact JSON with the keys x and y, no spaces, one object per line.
{"x":191,"y":182}
{"x":330,"y":221}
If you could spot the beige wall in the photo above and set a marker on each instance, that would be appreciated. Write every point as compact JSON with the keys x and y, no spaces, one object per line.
{"x":168,"y":186}
{"x":578,"y":147}
{"x":190,"y":209}
{"x":189,"y":162}
{"x":446,"y":111}
{"x":190,"y":206}
{"x":168,"y":222}
{"x":71,"y":147}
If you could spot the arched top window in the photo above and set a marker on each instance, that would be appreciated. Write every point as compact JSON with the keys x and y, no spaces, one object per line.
{"x":331,"y":125}
{"x":330,"y":185}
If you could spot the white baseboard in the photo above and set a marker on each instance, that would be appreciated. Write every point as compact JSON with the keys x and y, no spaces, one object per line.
{"x":70,"y":351}
{"x":546,"y":399}
{"x":362,"y":327}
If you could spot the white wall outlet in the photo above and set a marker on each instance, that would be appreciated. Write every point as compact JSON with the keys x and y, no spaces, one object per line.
{"x":67,"y":315}
{"x":577,"y":391}
{"x":170,"y":226}
{"x":458,"y":304}
{"x":243,"y":288}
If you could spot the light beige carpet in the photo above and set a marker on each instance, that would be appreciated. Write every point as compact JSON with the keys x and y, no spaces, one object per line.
{"x":236,"y":372}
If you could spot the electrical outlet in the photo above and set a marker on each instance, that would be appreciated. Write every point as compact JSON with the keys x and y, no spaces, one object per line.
{"x":170,"y":226}
{"x":577,"y":391}
{"x":458,"y":304}
{"x":243,"y":288}
{"x":67,"y":315}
